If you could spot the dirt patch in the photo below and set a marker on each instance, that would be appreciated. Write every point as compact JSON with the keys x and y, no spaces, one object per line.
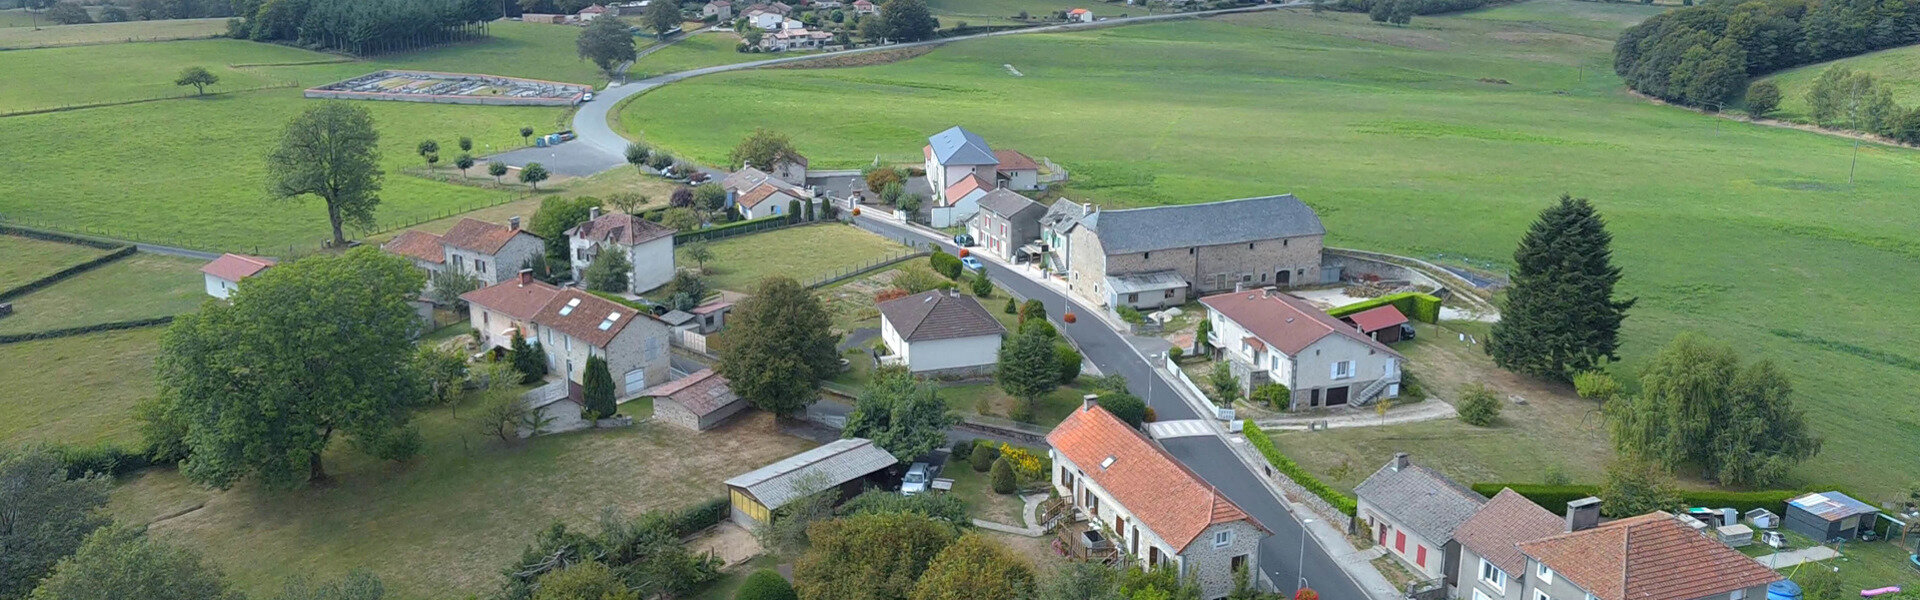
{"x":863,"y":59}
{"x":730,"y":542}
{"x":1038,"y":551}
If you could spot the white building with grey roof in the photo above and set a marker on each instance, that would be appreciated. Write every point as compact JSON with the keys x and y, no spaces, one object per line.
{"x":1413,"y":511}
{"x":1155,"y":257}
{"x":842,"y":467}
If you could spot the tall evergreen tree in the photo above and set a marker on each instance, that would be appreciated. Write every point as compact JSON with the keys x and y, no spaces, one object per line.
{"x":1561,"y":316}
{"x":527,"y":359}
{"x":597,"y":387}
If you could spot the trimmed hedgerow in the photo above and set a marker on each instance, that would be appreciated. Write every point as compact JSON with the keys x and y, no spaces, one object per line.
{"x":1415,"y":305}
{"x":1281,"y":463}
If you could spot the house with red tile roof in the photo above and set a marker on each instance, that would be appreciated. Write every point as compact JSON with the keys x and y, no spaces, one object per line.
{"x":1016,"y":171}
{"x":941,"y":332}
{"x":224,"y":274}
{"x":1080,"y":14}
{"x":571,"y":325}
{"x":1149,"y":505}
{"x":756,"y":193}
{"x":490,"y":251}
{"x":864,"y":7}
{"x":960,"y":201}
{"x":1269,"y":336}
{"x":699,"y":401}
{"x":648,"y":247}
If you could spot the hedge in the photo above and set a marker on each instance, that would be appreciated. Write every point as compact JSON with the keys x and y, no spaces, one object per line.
{"x":59,"y":237}
{"x":701,"y":516}
{"x":734,"y":228}
{"x":71,"y":331}
{"x":1556,"y":497}
{"x":1415,"y":305}
{"x":105,"y":459}
{"x":58,"y":276}
{"x":1259,"y":439}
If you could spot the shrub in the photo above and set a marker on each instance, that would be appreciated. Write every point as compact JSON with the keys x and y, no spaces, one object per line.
{"x":1003,"y":482}
{"x":945,"y":264}
{"x":1012,"y":307}
{"x":1274,"y":395}
{"x":1176,"y":353}
{"x":1415,"y":305}
{"x":962,"y":451}
{"x":1595,"y":385}
{"x":982,"y":287}
{"x":1069,"y":360}
{"x":1127,"y":407}
{"x":1762,"y":98}
{"x":1027,"y":464}
{"x":889,"y":294}
{"x":765,"y":584}
{"x":1033,"y":310}
{"x":701,"y":516}
{"x":1130,"y":314}
{"x":1292,"y":470}
{"x":1478,"y":406}
{"x":982,"y":458}
{"x":103,"y":458}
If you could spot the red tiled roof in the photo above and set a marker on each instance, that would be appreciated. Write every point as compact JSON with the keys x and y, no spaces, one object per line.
{"x":1013,"y":160}
{"x":479,"y":236}
{"x":1077,"y":11}
{"x":621,"y":228}
{"x":716,"y":305}
{"x":757,"y":195}
{"x":512,"y":298}
{"x":1378,"y":318}
{"x":235,"y":267}
{"x":1255,"y":342}
{"x":1495,"y":531}
{"x":927,"y":149}
{"x":1648,"y":557}
{"x":966,"y":185}
{"x":701,"y":392}
{"x":1160,"y":492}
{"x":583,"y":319}
{"x":1285,"y":323}
{"x":418,"y":245}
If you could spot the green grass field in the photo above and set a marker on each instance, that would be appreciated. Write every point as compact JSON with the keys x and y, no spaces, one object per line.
{"x":15,"y":31}
{"x":120,"y":72}
{"x":1002,"y":12}
{"x":697,"y":50}
{"x":530,"y":50}
{"x":803,"y":253}
{"x":1407,"y":140}
{"x":136,"y":287}
{"x":28,"y":259}
{"x":1898,"y":69}
{"x":79,"y":389}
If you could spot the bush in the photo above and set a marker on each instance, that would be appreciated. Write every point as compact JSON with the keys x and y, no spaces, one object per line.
{"x":1420,"y":307}
{"x":1003,"y":482}
{"x":1292,"y":470}
{"x":1274,"y":395}
{"x":1478,"y":406}
{"x":983,"y":457}
{"x":103,"y":458}
{"x":1595,"y":385}
{"x":1762,"y":98}
{"x":765,"y":584}
{"x":945,"y":264}
{"x":701,"y":516}
{"x":1127,"y":407}
{"x":1130,"y":314}
{"x":982,"y":287}
{"x":1012,"y":307}
{"x":1176,"y":353}
{"x":962,"y":451}
{"x":1069,"y":360}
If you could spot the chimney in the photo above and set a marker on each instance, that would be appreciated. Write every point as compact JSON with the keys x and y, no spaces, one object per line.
{"x":1583,"y":514}
{"x":1087,"y":207}
{"x":1087,"y":401}
{"x":593,"y":213}
{"x":513,"y":222}
{"x":1400,"y":461}
{"x":953,"y":292}
{"x":526,"y":277}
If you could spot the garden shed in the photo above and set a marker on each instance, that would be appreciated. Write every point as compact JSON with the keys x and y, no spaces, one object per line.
{"x":1827,"y":516}
{"x":847,"y":464}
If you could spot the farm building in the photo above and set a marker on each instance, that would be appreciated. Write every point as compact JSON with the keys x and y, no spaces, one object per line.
{"x":223,"y":275}
{"x":1828,"y":516}
{"x":847,"y":464}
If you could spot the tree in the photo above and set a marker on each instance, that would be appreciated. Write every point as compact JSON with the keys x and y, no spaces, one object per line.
{"x":533,"y":174}
{"x":359,"y":584}
{"x":1127,"y":407}
{"x":869,"y":557}
{"x":608,"y":272}
{"x":684,"y":219}
{"x":444,"y":369}
{"x":263,"y":396}
{"x":1478,"y":406}
{"x":910,"y":202}
{"x":1595,"y":385}
{"x":46,"y":515}
{"x":1012,"y":308}
{"x":626,"y":202}
{"x":429,"y":150}
{"x":1634,"y":487}
{"x":762,"y":149}
{"x":765,"y":584}
{"x":527,"y":359}
{"x":637,"y":152}
{"x":688,"y":286}
{"x":682,"y":198}
{"x":1561,"y":316}
{"x":198,"y":77}
{"x":946,"y":508}
{"x":793,"y":211}
{"x":463,"y":162}
{"x":607,"y":43}
{"x":113,"y":14}
{"x":526,"y":135}
{"x":699,"y":251}
{"x":588,"y":580}
{"x":1762,"y":98}
{"x":1079,"y":581}
{"x":502,"y":417}
{"x":900,"y":414}
{"x":878,"y":179}
{"x":975,"y":568}
{"x":1034,"y":310}
{"x":1069,"y":360}
{"x":496,"y":169}
{"x":1402,"y":12}
{"x":1028,"y":368}
{"x":597,"y":388}
{"x":781,"y":346}
{"x":810,"y":210}
{"x":709,"y":197}
{"x":907,"y":21}
{"x":1380,"y":10}
{"x":1699,"y":405}
{"x":432,"y":159}
{"x":465,"y":143}
{"x":1002,"y":477}
{"x":68,"y":13}
{"x":1224,"y":383}
{"x":554,"y":217}
{"x":330,"y":151}
{"x":982,"y":287}
{"x":118,"y":562}
{"x":661,"y":17}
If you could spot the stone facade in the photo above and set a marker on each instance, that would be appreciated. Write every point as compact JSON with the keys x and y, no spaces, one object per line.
{"x":669,"y":411}
{"x":497,"y":267}
{"x":640,"y":348}
{"x":1212,"y":565}
{"x":1207,"y":269}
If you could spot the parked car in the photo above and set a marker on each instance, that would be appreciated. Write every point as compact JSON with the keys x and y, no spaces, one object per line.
{"x":587,"y":98}
{"x":916,"y":480}
{"x":972,"y":263}
{"x":963,"y":240}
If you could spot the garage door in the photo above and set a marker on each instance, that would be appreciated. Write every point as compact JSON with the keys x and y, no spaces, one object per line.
{"x":636,"y":381}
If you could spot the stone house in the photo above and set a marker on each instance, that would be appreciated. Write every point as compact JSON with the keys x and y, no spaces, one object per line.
{"x":1412,"y":511}
{"x":793,"y":168}
{"x":647,"y":245}
{"x":1061,"y":219}
{"x":941,"y":332}
{"x":1489,"y":542}
{"x":1211,"y":247}
{"x":1152,"y":508}
{"x":491,"y":252}
{"x":572,"y":325}
{"x":699,"y":401}
{"x":1268,"y":336}
{"x":224,"y":274}
{"x":1006,"y":223}
{"x":794,"y":38}
{"x":719,"y":10}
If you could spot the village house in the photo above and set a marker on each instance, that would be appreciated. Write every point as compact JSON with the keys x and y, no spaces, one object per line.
{"x":796,"y":38}
{"x":1148,"y":505}
{"x":1007,"y":224}
{"x":940,"y":332}
{"x":846,"y":466}
{"x":864,"y":7}
{"x":491,"y":252}
{"x":1080,"y":15}
{"x":955,"y":154}
{"x":1647,"y":557}
{"x":1062,"y":217}
{"x":1268,"y":336}
{"x":1412,"y":511}
{"x":1489,"y":544}
{"x":792,"y":168}
{"x":757,"y":194}
{"x":719,"y":10}
{"x":699,"y":401}
{"x":1016,"y":171}
{"x":1152,"y":257}
{"x":765,"y":19}
{"x":591,"y":12}
{"x":959,"y":202}
{"x":224,"y":274}
{"x":571,"y":325}
{"x":647,"y":245}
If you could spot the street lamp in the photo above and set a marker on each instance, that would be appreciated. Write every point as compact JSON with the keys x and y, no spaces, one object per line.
{"x":1300,"y":569}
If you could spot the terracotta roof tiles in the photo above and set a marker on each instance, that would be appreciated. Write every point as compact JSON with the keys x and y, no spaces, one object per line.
{"x":1495,"y":531}
{"x":479,"y":236}
{"x":517,"y":300}
{"x":1285,"y":323}
{"x":1648,"y":557}
{"x":1162,"y":494}
{"x":621,"y":228}
{"x":418,"y":245}
{"x":235,"y":267}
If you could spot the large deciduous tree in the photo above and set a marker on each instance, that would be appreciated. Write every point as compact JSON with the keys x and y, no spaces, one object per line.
{"x":606,"y":42}
{"x":1079,"y":581}
{"x":43,"y":515}
{"x":869,"y":556}
{"x":1698,"y":405}
{"x":1561,"y":315}
{"x":762,"y":149}
{"x":661,"y":17}
{"x":900,"y":414}
{"x":906,"y":20}
{"x":554,"y":217}
{"x":975,"y":568}
{"x":309,"y":349}
{"x":1028,"y":368}
{"x":331,"y":151}
{"x":779,"y":347}
{"x":119,"y":562}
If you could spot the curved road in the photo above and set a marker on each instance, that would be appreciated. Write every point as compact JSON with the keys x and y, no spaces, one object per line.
{"x":600,"y":148}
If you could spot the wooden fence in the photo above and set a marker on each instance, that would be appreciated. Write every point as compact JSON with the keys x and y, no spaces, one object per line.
{"x":868,"y":267}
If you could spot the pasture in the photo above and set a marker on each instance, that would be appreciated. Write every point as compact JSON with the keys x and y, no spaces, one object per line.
{"x":1441,"y":140}
{"x":1002,"y":12}
{"x":700,"y":49}
{"x":141,"y":286}
{"x":16,"y":31}
{"x":1896,"y":68}
{"x":28,"y":259}
{"x":805,"y":253}
{"x":77,"y":390}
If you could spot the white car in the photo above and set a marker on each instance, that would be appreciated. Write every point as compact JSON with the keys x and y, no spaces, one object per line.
{"x":587,"y":98}
{"x":916,"y":480}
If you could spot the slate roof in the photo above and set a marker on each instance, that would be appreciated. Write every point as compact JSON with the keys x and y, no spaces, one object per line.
{"x":1378,"y":318}
{"x":1013,"y":160}
{"x":235,"y":267}
{"x":513,"y":298}
{"x":939,"y":315}
{"x":1284,"y":322}
{"x":702,"y":392}
{"x":479,"y":236}
{"x":1213,"y":223}
{"x":957,"y":146}
{"x":830,"y":465}
{"x":592,"y":319}
{"x":418,"y":245}
{"x":1012,"y":206}
{"x":620,"y":228}
{"x":676,"y":318}
{"x":1063,"y":215}
{"x":1648,"y":557}
{"x":1420,"y":499}
{"x":1151,"y":281}
{"x":1163,"y":495}
{"x":1496,"y":530}
{"x":748,"y":178}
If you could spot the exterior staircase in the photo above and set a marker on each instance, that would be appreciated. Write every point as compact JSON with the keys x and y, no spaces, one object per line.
{"x":1372,"y":392}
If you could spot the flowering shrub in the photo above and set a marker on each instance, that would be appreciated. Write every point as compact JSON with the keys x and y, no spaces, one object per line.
{"x":1027,"y":464}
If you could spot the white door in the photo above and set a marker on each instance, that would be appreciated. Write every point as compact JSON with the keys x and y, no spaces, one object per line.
{"x":636,"y":380}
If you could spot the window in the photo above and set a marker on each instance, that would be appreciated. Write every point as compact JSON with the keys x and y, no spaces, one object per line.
{"x":1479,"y":595}
{"x":484,"y":321}
{"x":1189,"y":251}
{"x":1222,"y":538}
{"x":1736,"y":595}
{"x":1249,"y":245}
{"x":1146,"y":255}
{"x":1343,"y":369}
{"x":1066,"y":477}
{"x":1493,"y":576}
{"x":1132,"y":298}
{"x":1541,"y":595}
{"x":1238,"y":563}
{"x":1544,"y":572}
{"x":1169,"y":294}
{"x":480,"y":267}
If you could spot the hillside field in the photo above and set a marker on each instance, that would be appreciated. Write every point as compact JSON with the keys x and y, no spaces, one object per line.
{"x":16,"y":32}
{"x":1441,"y":140}
{"x":1896,"y":68}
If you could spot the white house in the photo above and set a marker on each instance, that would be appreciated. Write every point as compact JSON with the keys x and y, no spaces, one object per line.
{"x":1268,"y":336}
{"x":757,"y":193}
{"x":648,"y":246}
{"x":591,"y":12}
{"x":1016,"y":171}
{"x":793,"y":168}
{"x":794,"y":38}
{"x":720,"y":10}
{"x":941,"y":331}
{"x":491,"y":252}
{"x":223,"y":275}
{"x":864,"y":7}
{"x":954,"y":154}
{"x":1148,"y":505}
{"x":571,"y":325}
{"x":765,"y":19}
{"x":959,"y":202}
{"x":1080,"y":15}
{"x":1412,"y":511}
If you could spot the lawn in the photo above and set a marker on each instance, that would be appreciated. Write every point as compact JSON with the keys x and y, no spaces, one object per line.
{"x":136,"y":287}
{"x":806,"y":253}
{"x":976,"y":489}
{"x":445,"y":523}
{"x":45,"y":379}
{"x":1897,"y":68}
{"x":28,"y":259}
{"x":1443,"y":138}
{"x":15,"y":33}
{"x":515,"y":49}
{"x":700,"y":49}
{"x":120,"y":72}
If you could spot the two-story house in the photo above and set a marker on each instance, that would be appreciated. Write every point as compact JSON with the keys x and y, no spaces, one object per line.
{"x":1149,"y":506}
{"x":1006,"y":223}
{"x":1268,"y":336}
{"x":1153,"y":257}
{"x":647,"y":245}
{"x":491,"y":252}
{"x":719,"y":10}
{"x":1413,"y":511}
{"x":953,"y":155}
{"x":572,"y":325}
{"x":1647,"y":557}
{"x":1490,"y":557}
{"x":1062,"y":217}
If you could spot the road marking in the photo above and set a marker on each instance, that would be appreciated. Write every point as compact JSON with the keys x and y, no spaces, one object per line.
{"x":1161,"y":430}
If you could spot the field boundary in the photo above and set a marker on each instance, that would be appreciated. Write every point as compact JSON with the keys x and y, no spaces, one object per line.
{"x":58,"y":276}
{"x":55,"y":109}
{"x":130,"y":40}
{"x":869,"y":268}
{"x":54,"y":236}
{"x":15,"y":338}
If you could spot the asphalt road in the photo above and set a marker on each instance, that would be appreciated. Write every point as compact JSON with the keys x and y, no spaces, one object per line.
{"x":1207,"y":456}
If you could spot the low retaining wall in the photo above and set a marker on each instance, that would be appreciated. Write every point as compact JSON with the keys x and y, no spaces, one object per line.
{"x":1394,"y":268}
{"x":572,"y":91}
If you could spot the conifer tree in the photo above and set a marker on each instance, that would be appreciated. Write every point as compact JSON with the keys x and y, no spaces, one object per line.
{"x":1561,"y":316}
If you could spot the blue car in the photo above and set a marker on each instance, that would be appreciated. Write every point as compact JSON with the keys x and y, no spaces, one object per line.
{"x":972,"y":263}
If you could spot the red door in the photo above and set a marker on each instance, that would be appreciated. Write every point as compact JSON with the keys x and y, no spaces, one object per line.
{"x":1383,"y":534}
{"x":1420,"y":557}
{"x":1400,"y":542}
